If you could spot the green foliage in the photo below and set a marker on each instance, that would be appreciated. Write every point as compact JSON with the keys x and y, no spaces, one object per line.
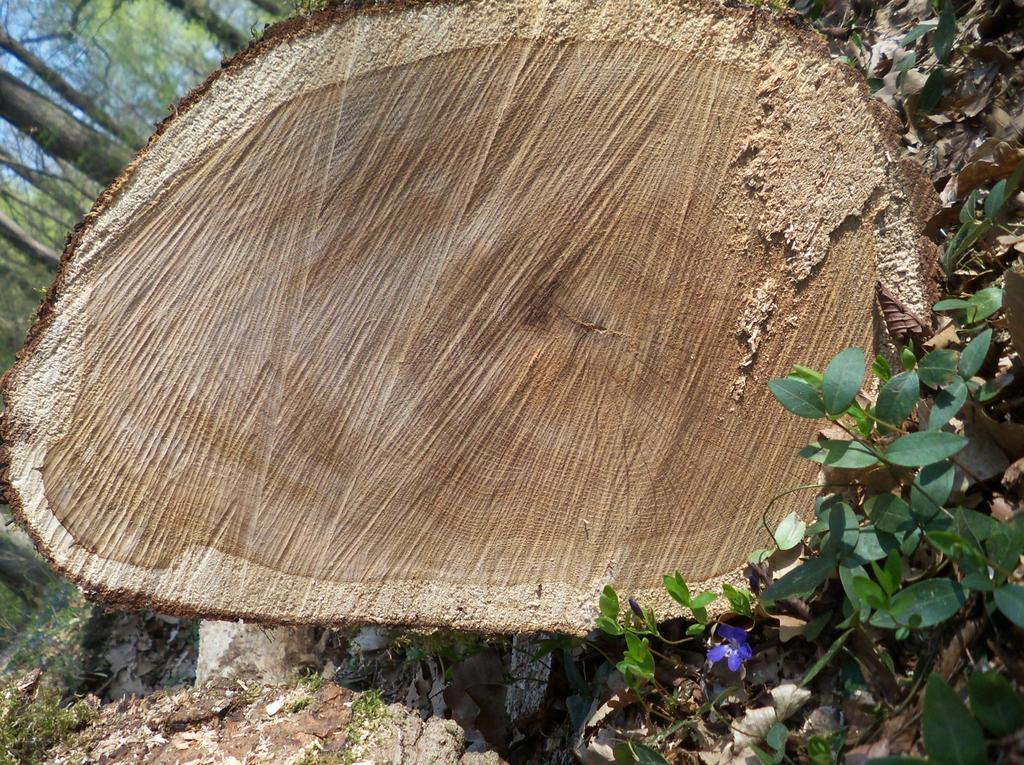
{"x":864,"y":539}
{"x":632,"y":752}
{"x":951,"y":735}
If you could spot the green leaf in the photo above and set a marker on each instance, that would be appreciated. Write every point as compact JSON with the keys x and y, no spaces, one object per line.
{"x":609,"y":602}
{"x":897,"y":399}
{"x":638,"y":657}
{"x":703,"y":600}
{"x":995,"y":703}
{"x":951,"y":735}
{"x":1010,"y":601}
{"x":889,"y":575}
{"x":676,"y":587}
{"x":970,"y":206}
{"x":847,"y":577}
{"x":798,"y":397}
{"x":632,"y":753}
{"x":995,"y":199}
{"x":973,"y":356}
{"x":801,"y":581}
{"x":863,"y":424}
{"x":907,"y":358}
{"x":805,"y":374}
{"x":890,"y":513}
{"x":984,"y":303}
{"x":819,"y":752}
{"x":843,"y":528}
{"x":610,"y":626}
{"x":840,"y":454}
{"x":937,"y":368}
{"x":873,"y":544}
{"x":869,"y":592}
{"x":931,"y":93}
{"x":842,"y":379}
{"x":962,"y":241}
{"x":695,"y":629}
{"x":922,"y":604}
{"x":992,"y":388}
{"x":816,"y":625}
{"x":776,"y":737}
{"x":790,"y":532}
{"x":955,"y":546}
{"x":951,"y":304}
{"x":880,"y":368}
{"x":948,"y":402}
{"x":919,"y":31}
{"x":763,"y":757}
{"x":1005,"y":545}
{"x":739,"y":600}
{"x":942,"y":43}
{"x":931,"y":489}
{"x":916,"y":449}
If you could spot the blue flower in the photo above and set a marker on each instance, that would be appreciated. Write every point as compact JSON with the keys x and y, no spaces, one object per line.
{"x":735,"y":650}
{"x":636,"y":608}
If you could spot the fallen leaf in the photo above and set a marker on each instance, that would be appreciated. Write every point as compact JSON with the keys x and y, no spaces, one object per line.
{"x":902,"y":323}
{"x":752,"y":727}
{"x":789,"y":627}
{"x":1002,"y":509}
{"x":993,"y":161}
{"x":1013,"y":478}
{"x":788,"y":698}
{"x":946,"y":336}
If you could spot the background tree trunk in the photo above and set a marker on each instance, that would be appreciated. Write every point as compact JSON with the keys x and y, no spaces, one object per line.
{"x":231,"y":39}
{"x":59,"y":133}
{"x":21,"y":569}
{"x":22,"y":241}
{"x":66,"y":91}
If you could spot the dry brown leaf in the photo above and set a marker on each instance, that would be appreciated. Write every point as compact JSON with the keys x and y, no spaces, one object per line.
{"x":1002,"y":509}
{"x":902,"y":323}
{"x":790,"y":627}
{"x":946,"y":336}
{"x":788,"y":699}
{"x":1009,"y":436}
{"x":1013,"y":478}
{"x":753,"y":727}
{"x":994,"y":160}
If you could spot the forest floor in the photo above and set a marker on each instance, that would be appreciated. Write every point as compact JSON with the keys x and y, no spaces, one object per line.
{"x":809,"y":691}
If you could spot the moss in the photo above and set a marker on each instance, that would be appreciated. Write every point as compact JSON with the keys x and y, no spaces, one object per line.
{"x":779,"y":6}
{"x":31,"y":726}
{"x":368,"y":712}
{"x":311,"y":681}
{"x":306,"y":7}
{"x":297,"y":705}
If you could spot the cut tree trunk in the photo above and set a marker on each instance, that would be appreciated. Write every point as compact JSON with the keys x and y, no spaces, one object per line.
{"x":450,"y":314}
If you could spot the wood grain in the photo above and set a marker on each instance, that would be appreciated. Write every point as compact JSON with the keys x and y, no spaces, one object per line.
{"x":441,"y":328}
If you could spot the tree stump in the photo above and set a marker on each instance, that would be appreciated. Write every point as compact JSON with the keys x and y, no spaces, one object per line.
{"x":452,"y":313}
